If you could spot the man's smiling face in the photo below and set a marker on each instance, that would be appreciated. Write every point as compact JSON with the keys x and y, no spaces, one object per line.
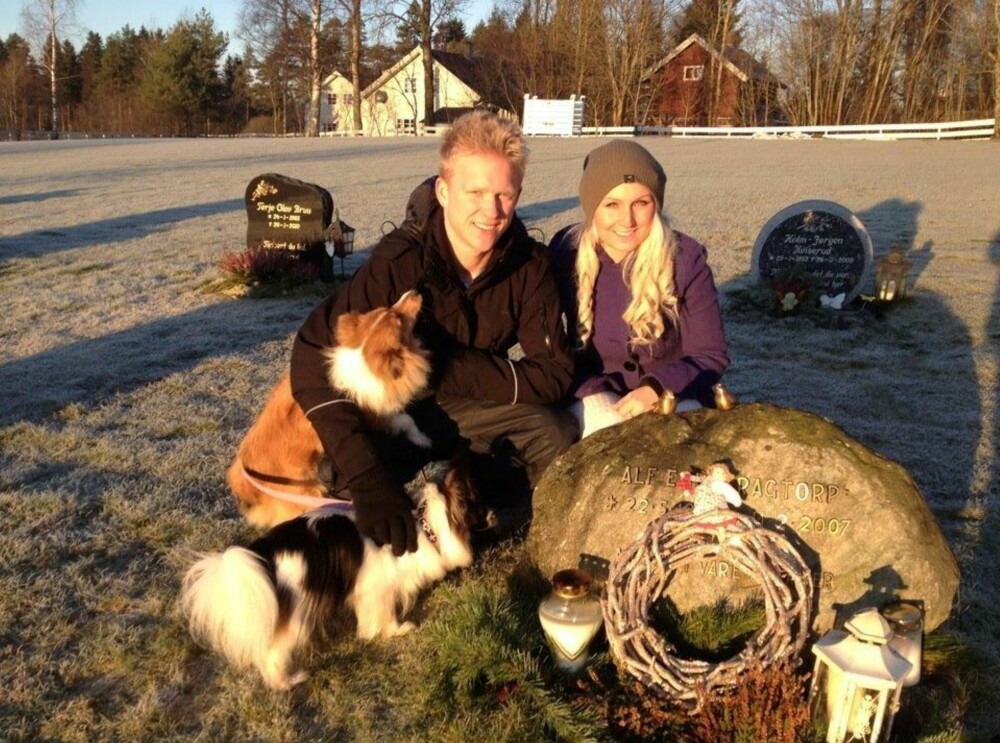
{"x":478,"y":197}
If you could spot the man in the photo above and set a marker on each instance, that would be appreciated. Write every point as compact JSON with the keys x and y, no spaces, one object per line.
{"x":486,"y":286}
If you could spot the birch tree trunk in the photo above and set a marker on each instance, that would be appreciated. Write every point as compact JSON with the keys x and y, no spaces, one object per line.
{"x":356,"y":63}
{"x":44,"y":20}
{"x":315,"y":81}
{"x":425,"y":47}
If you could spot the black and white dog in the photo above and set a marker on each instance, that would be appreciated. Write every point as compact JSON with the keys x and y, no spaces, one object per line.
{"x":258,"y":605}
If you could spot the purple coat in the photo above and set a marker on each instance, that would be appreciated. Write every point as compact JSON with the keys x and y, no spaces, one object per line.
{"x":687,"y":360}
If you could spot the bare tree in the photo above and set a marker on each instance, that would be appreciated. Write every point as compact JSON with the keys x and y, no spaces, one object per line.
{"x":272,"y":28}
{"x":315,"y":73}
{"x":429,"y":13}
{"x":633,"y":40}
{"x":44,"y":20}
{"x":724,"y":25}
{"x":356,"y":23}
{"x":17,"y":70}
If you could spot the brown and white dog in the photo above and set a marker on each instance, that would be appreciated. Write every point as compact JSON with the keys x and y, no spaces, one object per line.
{"x":260,"y":604}
{"x":379,"y":365}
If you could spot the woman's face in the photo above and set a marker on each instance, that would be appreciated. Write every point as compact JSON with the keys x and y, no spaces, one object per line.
{"x":624,"y":218}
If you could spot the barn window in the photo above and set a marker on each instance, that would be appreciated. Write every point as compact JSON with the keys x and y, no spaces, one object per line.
{"x":381,"y":96}
{"x":331,"y":98}
{"x":349,"y":98}
{"x":694,"y":71}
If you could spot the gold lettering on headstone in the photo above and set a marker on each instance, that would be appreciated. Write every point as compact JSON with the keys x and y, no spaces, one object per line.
{"x":638,"y":475}
{"x":716,"y":569}
{"x":803,"y":492}
{"x":819,"y":525}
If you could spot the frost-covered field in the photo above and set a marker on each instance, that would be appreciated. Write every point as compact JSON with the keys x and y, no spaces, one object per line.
{"x":124,"y":390}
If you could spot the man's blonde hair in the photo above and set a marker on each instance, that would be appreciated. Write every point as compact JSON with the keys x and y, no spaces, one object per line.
{"x":483,"y":132}
{"x":649,"y":273}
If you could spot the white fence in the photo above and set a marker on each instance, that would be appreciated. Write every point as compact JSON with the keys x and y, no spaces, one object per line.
{"x":976,"y":129}
{"x":561,"y":118}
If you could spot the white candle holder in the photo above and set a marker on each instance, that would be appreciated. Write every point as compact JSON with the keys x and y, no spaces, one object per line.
{"x":570,"y":618}
{"x":907,"y":622}
{"x":857,"y":680}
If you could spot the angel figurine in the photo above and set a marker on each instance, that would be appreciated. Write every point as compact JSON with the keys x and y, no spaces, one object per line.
{"x":715,"y":490}
{"x":713,"y":498}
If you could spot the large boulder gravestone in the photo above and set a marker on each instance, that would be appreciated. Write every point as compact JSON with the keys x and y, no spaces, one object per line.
{"x":818,"y":239}
{"x":857,"y":518}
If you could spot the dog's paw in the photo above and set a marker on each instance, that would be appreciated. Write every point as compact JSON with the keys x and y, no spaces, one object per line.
{"x":283,"y":682}
{"x":404,"y":629}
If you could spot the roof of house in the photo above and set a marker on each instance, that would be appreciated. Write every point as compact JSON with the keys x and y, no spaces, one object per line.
{"x":460,"y":66}
{"x":448,"y":114}
{"x":332,"y":76}
{"x":737,"y":61}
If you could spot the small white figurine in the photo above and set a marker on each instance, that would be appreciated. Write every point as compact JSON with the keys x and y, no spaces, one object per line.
{"x":715,"y":491}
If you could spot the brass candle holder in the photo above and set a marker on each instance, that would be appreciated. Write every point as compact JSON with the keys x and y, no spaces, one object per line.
{"x":724,"y":399}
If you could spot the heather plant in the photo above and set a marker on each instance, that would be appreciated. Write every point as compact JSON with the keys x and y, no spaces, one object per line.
{"x":262,"y":265}
{"x":770,"y":705}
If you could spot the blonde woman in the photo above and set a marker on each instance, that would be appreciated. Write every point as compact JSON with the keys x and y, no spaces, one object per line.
{"x":640,"y":302}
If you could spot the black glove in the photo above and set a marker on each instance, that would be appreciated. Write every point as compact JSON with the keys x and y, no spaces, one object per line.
{"x":383,"y":512}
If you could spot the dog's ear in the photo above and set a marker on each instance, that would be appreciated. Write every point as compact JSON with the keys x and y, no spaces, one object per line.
{"x":409,"y":304}
{"x":348,"y":332}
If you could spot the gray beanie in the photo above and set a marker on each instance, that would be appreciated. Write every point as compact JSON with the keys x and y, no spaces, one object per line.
{"x":619,"y":161}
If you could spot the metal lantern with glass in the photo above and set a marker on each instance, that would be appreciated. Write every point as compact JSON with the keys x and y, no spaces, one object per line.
{"x":339,"y":244}
{"x":857,"y":680}
{"x":907,"y":622}
{"x":891,"y":274}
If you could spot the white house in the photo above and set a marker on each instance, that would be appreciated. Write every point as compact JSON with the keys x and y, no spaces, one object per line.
{"x":336,"y":104}
{"x":394,"y":103}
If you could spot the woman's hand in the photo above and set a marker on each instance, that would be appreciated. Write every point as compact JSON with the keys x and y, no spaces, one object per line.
{"x":638,"y":401}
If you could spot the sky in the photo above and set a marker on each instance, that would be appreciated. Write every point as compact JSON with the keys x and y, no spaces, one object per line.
{"x":108,"y":16}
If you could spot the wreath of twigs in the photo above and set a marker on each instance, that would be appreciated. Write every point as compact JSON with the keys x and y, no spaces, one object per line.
{"x":643,"y":571}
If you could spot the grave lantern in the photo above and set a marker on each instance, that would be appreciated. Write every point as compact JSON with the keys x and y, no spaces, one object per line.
{"x":339,"y":244}
{"x":891,"y":274}
{"x":570,"y":617}
{"x":857,"y":680}
{"x":907,"y":622}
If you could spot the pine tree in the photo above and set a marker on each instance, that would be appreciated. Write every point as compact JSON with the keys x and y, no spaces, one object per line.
{"x":182,"y":79}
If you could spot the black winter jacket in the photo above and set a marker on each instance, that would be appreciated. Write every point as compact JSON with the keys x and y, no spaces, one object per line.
{"x":468,"y":330}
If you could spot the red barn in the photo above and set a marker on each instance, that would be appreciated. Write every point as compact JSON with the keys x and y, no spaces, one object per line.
{"x":682,"y":87}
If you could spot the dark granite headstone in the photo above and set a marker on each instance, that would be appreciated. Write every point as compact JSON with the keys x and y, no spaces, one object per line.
{"x":857,"y":518}
{"x":287,"y":214}
{"x":821,"y":239}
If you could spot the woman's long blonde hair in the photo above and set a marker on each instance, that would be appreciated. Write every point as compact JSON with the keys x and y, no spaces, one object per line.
{"x":649,"y":273}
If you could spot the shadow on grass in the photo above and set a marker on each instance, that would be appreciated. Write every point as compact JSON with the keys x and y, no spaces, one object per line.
{"x":909,"y":380}
{"x":32,"y":198}
{"x":90,"y":370}
{"x":105,"y":232}
{"x":904,"y":374}
{"x":542,"y":210}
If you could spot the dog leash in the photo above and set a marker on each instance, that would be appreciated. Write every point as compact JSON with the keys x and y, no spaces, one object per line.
{"x":312,"y":502}
{"x":309,"y":501}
